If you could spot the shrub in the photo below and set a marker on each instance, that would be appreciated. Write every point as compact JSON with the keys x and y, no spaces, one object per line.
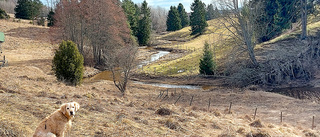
{"x":41,"y":21}
{"x":68,"y":63}
{"x":207,"y":65}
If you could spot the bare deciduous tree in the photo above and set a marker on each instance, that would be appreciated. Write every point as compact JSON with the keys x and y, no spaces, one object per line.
{"x":120,"y":62}
{"x":158,"y":19}
{"x":240,"y":23}
{"x":8,"y":5}
{"x":107,"y":26}
{"x":101,"y":27}
{"x":68,"y":19}
{"x":99,"y":23}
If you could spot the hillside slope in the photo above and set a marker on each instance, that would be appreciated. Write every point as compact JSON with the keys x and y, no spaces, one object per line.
{"x":29,"y":92}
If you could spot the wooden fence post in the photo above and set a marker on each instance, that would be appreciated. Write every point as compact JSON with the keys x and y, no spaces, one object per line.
{"x":191,"y":100}
{"x":177,"y":99}
{"x":281,"y":117}
{"x":209,"y":104}
{"x":230,"y":107}
{"x":160,"y":95}
{"x":313,"y":126}
{"x":255,"y":113}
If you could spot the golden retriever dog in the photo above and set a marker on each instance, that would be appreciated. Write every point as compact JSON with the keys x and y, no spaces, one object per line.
{"x":56,"y":124}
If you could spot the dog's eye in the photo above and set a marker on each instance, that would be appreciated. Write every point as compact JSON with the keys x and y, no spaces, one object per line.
{"x":67,"y":108}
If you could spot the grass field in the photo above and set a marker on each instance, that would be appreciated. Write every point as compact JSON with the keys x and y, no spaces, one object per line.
{"x":193,"y":45}
{"x":215,"y":35}
{"x":29,"y":92}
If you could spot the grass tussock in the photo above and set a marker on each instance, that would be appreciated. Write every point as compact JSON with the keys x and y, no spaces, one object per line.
{"x":256,"y":123}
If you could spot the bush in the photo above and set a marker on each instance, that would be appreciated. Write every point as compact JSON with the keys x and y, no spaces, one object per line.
{"x":41,"y":21}
{"x":3,"y":14}
{"x":68,"y":63}
{"x":207,"y":65}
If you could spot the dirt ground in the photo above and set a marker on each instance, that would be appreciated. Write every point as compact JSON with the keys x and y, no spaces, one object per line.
{"x":29,"y":92}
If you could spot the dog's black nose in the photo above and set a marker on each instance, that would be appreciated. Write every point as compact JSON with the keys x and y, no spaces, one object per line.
{"x":71,"y":113}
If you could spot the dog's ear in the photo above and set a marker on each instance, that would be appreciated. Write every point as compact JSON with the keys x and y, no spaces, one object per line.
{"x":76,"y":105}
{"x":63,"y":108}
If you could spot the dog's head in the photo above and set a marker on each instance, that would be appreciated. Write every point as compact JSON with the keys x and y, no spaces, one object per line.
{"x":69,"y":109}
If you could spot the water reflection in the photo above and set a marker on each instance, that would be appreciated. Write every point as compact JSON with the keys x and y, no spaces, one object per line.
{"x":169,"y":85}
{"x":154,"y":57}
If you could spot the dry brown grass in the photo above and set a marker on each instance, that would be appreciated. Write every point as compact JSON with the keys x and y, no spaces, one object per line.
{"x":30,"y":92}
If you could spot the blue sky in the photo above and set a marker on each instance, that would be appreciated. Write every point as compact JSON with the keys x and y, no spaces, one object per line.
{"x":163,"y":3}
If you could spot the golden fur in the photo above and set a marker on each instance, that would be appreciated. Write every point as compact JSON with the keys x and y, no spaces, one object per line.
{"x":55,"y":124}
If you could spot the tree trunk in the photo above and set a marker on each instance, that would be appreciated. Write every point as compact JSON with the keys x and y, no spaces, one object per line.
{"x":304,"y":19}
{"x":248,"y":42}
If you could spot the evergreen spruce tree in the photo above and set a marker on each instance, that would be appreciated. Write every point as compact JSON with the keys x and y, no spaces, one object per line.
{"x":130,"y":11}
{"x":210,"y":12}
{"x":273,"y":17}
{"x":27,"y":9}
{"x":144,"y":28}
{"x":50,"y":18}
{"x":207,"y":65}
{"x":286,"y":11}
{"x":216,"y":13}
{"x":22,"y":9}
{"x":264,"y":19}
{"x":173,"y":20}
{"x":183,"y":16}
{"x":138,"y":11}
{"x":197,"y":19}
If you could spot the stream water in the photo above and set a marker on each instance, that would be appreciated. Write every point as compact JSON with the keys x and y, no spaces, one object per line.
{"x":107,"y":75}
{"x":154,"y":57}
{"x":169,"y":85}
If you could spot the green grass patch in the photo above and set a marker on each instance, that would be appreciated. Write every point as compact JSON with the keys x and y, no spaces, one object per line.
{"x":187,"y":65}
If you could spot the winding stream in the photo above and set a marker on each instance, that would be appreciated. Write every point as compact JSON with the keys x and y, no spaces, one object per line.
{"x":154,"y":57}
{"x":107,"y":75}
{"x":169,"y":85}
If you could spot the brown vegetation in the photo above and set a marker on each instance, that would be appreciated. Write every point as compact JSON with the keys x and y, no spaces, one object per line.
{"x":96,"y":29}
{"x":29,"y":92}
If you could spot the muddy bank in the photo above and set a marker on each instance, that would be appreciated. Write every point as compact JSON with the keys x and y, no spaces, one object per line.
{"x":194,"y":80}
{"x":309,"y":92}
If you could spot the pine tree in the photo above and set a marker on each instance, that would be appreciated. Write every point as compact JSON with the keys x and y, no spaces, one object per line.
{"x":183,"y":16}
{"x":130,"y":11}
{"x":197,"y":19}
{"x":173,"y":20}
{"x":28,"y":9}
{"x":210,"y":12}
{"x":144,"y":29}
{"x":207,"y":65}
